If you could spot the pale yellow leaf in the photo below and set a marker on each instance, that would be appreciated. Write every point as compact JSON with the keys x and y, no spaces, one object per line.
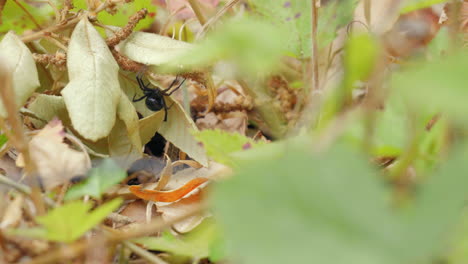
{"x":17,"y":57}
{"x":93,"y":93}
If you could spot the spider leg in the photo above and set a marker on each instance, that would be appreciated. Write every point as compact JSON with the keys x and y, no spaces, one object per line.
{"x":165,"y":110}
{"x":139,"y":99}
{"x":177,"y":88}
{"x":172,"y":84}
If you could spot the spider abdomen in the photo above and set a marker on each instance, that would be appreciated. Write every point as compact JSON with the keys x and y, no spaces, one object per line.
{"x":155,"y":103}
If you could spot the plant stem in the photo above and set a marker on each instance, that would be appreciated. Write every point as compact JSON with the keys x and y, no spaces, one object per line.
{"x":314,"y":57}
{"x":197,"y":10}
{"x":40,"y":34}
{"x":18,"y":186}
{"x":151,"y":258}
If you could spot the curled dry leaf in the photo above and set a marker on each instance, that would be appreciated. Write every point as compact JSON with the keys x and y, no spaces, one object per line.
{"x":93,"y":93}
{"x":167,"y":196}
{"x":56,"y":162}
{"x":19,"y":59}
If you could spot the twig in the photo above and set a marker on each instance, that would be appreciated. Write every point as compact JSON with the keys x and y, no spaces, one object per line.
{"x":128,"y":29}
{"x":7,"y":94}
{"x":59,"y":59}
{"x":151,"y":258}
{"x":18,"y":186}
{"x":126,"y":63}
{"x":58,"y":27}
{"x":197,"y":10}
{"x":367,"y":11}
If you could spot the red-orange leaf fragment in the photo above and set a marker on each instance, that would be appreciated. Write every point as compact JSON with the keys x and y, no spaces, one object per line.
{"x":167,"y":196}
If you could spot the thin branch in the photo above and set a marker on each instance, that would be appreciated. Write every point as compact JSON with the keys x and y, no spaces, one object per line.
{"x":197,"y":10}
{"x":151,"y":258}
{"x":128,"y":29}
{"x":18,"y":186}
{"x":40,"y":34}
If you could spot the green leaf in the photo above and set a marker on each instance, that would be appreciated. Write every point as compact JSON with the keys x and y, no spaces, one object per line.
{"x":331,"y":206}
{"x":69,"y":221}
{"x":331,"y":17}
{"x":126,"y":10}
{"x":414,"y":5}
{"x":17,"y":57}
{"x":442,"y":82}
{"x":3,"y":140}
{"x":219,"y":144}
{"x":100,"y":179}
{"x":197,"y":244}
{"x":439,"y":205}
{"x":295,"y":17}
{"x":93,"y":93}
{"x":14,"y":18}
{"x":254,"y":46}
{"x":359,"y":60}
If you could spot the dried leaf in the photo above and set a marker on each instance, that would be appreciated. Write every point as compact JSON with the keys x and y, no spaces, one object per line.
{"x":178,"y":130}
{"x":13,"y":212}
{"x":46,"y":107}
{"x":19,"y":59}
{"x":56,"y":162}
{"x":150,"y":125}
{"x":167,"y":196}
{"x":152,"y":49}
{"x":124,"y":139}
{"x":93,"y":93}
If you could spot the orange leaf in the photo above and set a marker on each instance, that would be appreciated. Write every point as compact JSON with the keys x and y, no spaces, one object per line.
{"x":167,"y":196}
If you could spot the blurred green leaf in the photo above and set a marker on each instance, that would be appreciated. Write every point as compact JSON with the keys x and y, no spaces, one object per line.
{"x":315,"y":207}
{"x":414,"y":5}
{"x":439,"y":205}
{"x":332,"y":16}
{"x":359,"y":60}
{"x":197,"y":244}
{"x":100,"y":179}
{"x":3,"y":140}
{"x":254,"y":46}
{"x":391,"y":127}
{"x":219,"y":144}
{"x":14,"y":18}
{"x":436,"y":86}
{"x":69,"y":221}
{"x":295,"y":17}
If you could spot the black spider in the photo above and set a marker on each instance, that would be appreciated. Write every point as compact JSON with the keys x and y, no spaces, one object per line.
{"x":155,"y":97}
